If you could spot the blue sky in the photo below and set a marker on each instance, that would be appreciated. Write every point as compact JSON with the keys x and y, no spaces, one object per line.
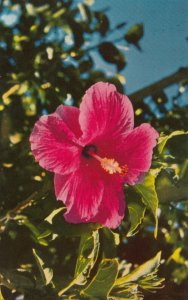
{"x":165,"y":48}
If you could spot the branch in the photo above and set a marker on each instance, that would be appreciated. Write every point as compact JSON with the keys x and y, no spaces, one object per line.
{"x":117,"y":40}
{"x":176,"y":77}
{"x":35,"y":196}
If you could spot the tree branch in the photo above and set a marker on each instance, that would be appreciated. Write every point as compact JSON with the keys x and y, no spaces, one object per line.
{"x":149,"y":90}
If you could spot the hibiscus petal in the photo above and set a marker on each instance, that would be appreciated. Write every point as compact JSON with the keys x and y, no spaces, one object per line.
{"x":70,"y":115}
{"x":54,"y":144}
{"x":104,"y":111}
{"x":81,"y":192}
{"x":135,"y":150}
{"x":112,"y":208}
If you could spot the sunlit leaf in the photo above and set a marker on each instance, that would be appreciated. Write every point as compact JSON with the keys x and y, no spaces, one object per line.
{"x":129,"y":292}
{"x":176,"y":256}
{"x":46,"y":273}
{"x":144,"y":275}
{"x":36,"y":234}
{"x":29,"y":105}
{"x":103,"y":281}
{"x":1,"y":296}
{"x":11,"y":91}
{"x":164,"y":139}
{"x":84,"y":12}
{"x":149,"y":196}
{"x":136,"y":212}
{"x":59,"y":13}
{"x":49,"y":218}
{"x":15,"y":138}
{"x":87,"y":255}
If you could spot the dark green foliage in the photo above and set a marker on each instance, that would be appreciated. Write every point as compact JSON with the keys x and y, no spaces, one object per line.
{"x":134,"y":34}
{"x":46,"y":58}
{"x":111,"y":54}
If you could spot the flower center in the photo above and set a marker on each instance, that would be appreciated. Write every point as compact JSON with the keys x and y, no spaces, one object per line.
{"x":87,"y":150}
{"x":110,"y":165}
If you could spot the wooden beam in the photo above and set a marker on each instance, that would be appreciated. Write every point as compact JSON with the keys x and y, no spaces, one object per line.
{"x":176,"y":77}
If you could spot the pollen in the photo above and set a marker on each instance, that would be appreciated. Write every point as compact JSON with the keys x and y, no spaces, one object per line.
{"x":110,"y":165}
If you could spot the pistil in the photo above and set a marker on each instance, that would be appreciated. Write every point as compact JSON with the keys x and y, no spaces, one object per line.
{"x":110,"y":165}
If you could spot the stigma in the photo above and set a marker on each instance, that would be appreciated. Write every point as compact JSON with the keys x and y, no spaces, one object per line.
{"x":110,"y":165}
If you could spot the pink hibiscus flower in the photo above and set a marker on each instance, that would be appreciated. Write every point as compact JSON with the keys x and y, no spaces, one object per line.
{"x":93,"y":152}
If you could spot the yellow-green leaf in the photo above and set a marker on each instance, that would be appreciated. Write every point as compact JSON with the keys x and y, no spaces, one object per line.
{"x":46,"y":273}
{"x":87,"y":256}
{"x":88,"y":252}
{"x":1,"y":296}
{"x":143,"y":270}
{"x":164,"y":139}
{"x":49,"y":218}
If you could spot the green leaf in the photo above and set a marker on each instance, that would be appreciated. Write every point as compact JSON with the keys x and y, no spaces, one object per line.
{"x":164,"y":139}
{"x":103,"y":24}
{"x":85,"y":12}
{"x":111,"y":54}
{"x":144,"y":270}
{"x":87,"y":256}
{"x":77,"y":32}
{"x":129,"y":293}
{"x":49,"y":218}
{"x":36,"y":234}
{"x":136,"y":212}
{"x":13,"y":279}
{"x":149,"y":196}
{"x":59,"y":13}
{"x":108,"y":237}
{"x":177,"y":257}
{"x":88,"y":252}
{"x":102,"y":283}
{"x":62,"y":228}
{"x":1,"y":296}
{"x":46,"y":273}
{"x":134,"y":34}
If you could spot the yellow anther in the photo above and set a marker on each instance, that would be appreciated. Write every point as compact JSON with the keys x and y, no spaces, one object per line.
{"x":110,"y":165}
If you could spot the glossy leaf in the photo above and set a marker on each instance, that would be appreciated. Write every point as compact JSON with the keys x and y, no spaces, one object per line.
{"x":46,"y":273}
{"x":102,"y":283}
{"x":136,"y":212}
{"x":148,"y":269}
{"x":164,"y":139}
{"x":49,"y":218}
{"x":1,"y":296}
{"x":87,"y":255}
{"x":149,"y":196}
{"x":108,"y":237}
